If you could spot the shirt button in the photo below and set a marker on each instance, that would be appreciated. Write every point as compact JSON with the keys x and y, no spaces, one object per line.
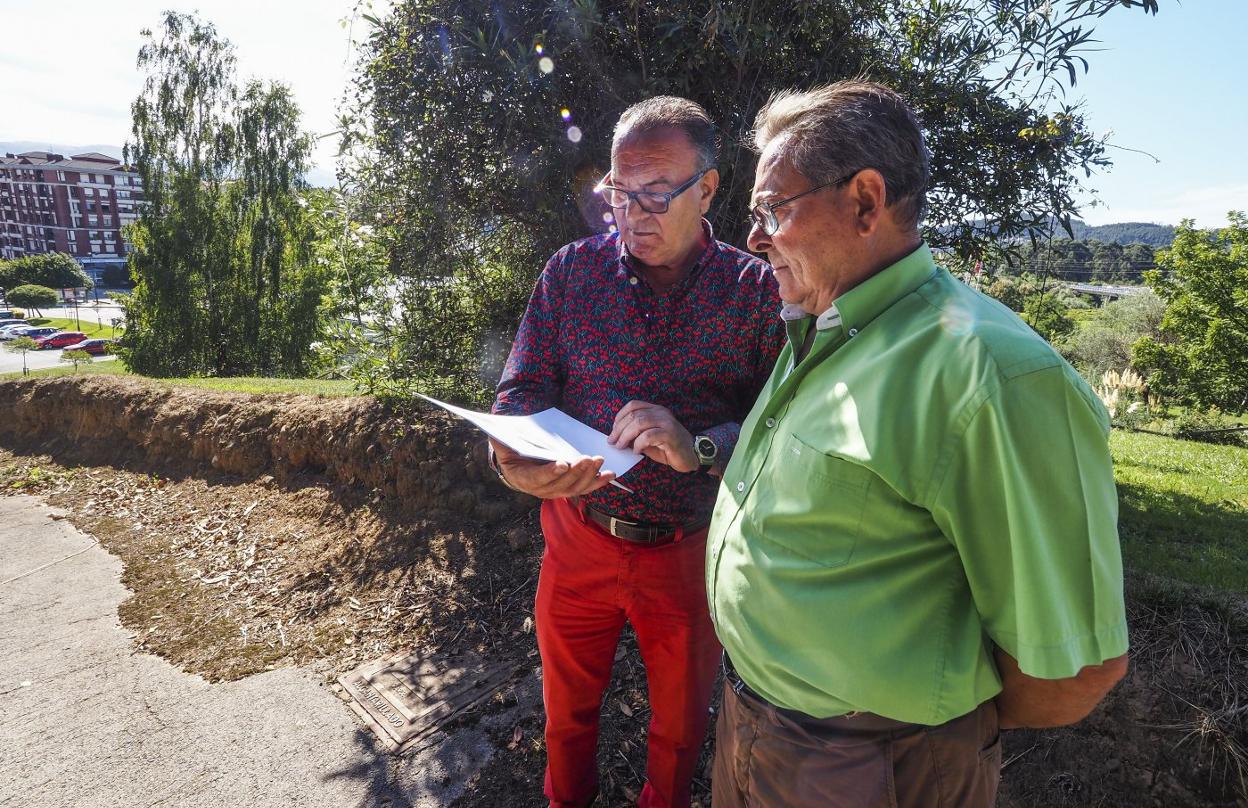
{"x":853,"y":332}
{"x":771,"y":423}
{"x":740,"y":486}
{"x":632,"y":279}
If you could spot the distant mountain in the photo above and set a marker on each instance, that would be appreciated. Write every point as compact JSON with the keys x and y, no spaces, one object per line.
{"x":19,"y":146}
{"x":1154,"y":235}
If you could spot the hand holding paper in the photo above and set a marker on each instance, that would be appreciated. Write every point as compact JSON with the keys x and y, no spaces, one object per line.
{"x":550,"y":435}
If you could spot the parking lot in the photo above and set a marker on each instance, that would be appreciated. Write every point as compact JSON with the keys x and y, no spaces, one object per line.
{"x":93,"y":315}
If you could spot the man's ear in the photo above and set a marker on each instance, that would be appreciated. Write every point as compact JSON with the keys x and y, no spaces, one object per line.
{"x":707,"y":186}
{"x":869,"y":195}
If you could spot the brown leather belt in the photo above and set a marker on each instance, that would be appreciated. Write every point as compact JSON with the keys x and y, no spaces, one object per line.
{"x":654,"y":535}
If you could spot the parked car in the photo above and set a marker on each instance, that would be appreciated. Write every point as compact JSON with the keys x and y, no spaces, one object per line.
{"x":5,"y":322}
{"x":59,"y":339}
{"x":6,"y":314}
{"x":34,"y":332}
{"x":93,"y":346}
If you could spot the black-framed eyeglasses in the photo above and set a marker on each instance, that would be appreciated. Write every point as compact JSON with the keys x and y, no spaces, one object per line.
{"x":649,"y":201}
{"x":764,"y":213}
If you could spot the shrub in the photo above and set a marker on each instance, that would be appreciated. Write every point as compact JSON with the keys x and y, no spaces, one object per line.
{"x":1102,"y":338}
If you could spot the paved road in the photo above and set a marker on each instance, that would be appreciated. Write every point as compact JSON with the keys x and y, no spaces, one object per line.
{"x":87,"y":721}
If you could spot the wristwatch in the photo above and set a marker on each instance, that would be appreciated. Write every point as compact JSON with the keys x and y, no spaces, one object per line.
{"x":706,"y":450}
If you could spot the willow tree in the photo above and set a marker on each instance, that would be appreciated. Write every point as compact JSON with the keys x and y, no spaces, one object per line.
{"x":224,"y":278}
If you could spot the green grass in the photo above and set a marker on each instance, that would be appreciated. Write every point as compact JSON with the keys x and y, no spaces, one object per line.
{"x":97,"y":366}
{"x":1184,"y":509}
{"x":332,"y":388}
{"x":88,"y":328}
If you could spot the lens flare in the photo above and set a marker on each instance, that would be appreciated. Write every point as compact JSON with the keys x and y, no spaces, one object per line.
{"x":538,"y":49}
{"x":611,"y":229}
{"x":608,"y":217}
{"x":574,"y":134}
{"x":546,"y":64}
{"x":566,"y":114}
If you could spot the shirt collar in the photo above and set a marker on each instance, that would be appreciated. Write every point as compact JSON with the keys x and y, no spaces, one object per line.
{"x":866,"y":301}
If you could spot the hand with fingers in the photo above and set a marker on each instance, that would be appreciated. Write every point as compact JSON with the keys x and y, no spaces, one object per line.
{"x":653,"y":431}
{"x":547,"y":480}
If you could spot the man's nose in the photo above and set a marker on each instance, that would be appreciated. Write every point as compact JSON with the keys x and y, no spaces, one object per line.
{"x":634,"y":212}
{"x":758,"y":241}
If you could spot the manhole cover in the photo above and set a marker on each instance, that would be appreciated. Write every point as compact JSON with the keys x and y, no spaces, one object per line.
{"x":405,"y":697}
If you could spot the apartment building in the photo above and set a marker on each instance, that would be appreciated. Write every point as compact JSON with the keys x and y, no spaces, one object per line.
{"x":75,"y":205}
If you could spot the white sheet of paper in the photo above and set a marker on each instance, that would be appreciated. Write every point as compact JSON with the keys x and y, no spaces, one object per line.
{"x":548,"y":435}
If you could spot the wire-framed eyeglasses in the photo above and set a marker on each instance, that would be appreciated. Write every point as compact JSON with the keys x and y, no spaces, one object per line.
{"x":649,"y":201}
{"x":763,"y":215}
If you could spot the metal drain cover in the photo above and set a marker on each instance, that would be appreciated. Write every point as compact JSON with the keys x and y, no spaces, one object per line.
{"x":405,"y":697}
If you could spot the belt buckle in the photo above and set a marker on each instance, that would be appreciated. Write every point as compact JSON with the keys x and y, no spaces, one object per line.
{"x":611,"y":526}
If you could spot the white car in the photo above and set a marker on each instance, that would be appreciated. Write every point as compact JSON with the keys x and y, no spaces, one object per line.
{"x":15,"y":331}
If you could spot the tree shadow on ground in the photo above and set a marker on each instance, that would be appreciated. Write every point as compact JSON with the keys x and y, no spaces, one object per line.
{"x":1178,"y":536}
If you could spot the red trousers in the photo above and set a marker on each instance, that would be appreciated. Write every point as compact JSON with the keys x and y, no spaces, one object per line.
{"x":590,"y":583}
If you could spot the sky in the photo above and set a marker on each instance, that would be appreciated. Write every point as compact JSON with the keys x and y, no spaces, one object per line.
{"x":1168,"y":85}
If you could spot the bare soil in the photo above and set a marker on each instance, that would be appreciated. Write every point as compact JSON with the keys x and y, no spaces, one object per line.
{"x":259,"y":531}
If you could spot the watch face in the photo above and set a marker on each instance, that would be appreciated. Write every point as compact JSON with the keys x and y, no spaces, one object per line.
{"x":705,"y":447}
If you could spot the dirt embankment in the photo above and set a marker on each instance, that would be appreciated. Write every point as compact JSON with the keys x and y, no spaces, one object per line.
{"x":427,"y":464}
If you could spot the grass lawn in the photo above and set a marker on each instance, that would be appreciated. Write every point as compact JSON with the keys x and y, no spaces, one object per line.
{"x":88,"y":328}
{"x":98,"y":365}
{"x":1184,"y":509}
{"x":333,"y":388}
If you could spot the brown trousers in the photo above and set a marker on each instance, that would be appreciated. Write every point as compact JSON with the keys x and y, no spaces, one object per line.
{"x":768,"y":757}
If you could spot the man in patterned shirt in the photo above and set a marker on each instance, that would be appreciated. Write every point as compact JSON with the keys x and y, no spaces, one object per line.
{"x":661,"y":336}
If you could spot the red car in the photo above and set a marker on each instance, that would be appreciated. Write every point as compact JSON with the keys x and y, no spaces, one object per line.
{"x":59,"y":340}
{"x":93,"y":346}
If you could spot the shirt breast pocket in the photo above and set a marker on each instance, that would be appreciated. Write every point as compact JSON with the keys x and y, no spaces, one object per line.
{"x":809,"y":505}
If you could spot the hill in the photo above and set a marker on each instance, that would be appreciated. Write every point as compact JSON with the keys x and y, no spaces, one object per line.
{"x":1154,"y":235}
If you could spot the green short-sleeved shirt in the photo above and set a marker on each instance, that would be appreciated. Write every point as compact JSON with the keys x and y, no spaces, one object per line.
{"x":930,"y":479}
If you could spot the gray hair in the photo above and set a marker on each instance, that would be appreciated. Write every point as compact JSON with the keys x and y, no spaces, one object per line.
{"x":848,"y":126}
{"x":664,"y":111}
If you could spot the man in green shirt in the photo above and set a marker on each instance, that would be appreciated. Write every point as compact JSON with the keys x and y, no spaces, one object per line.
{"x":915,"y":543}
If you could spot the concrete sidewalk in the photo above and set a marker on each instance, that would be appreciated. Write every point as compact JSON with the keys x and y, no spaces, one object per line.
{"x":86,"y":721}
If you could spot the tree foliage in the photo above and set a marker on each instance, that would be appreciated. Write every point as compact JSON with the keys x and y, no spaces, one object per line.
{"x":76,"y":357}
{"x":225,"y":278}
{"x":1046,"y":314}
{"x":32,"y":296}
{"x":1102,"y":341}
{"x":54,"y":270}
{"x":23,"y":346}
{"x":1201,"y":354}
{"x":1084,"y":261}
{"x":489,"y":123}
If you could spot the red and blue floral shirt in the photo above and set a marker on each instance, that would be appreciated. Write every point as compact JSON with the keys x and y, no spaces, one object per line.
{"x":596,"y":336}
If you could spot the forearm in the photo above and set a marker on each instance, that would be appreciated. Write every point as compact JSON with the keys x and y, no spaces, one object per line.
{"x":1026,"y":701}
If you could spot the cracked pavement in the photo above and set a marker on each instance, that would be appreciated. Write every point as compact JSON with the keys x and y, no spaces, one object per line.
{"x":85,"y":720}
